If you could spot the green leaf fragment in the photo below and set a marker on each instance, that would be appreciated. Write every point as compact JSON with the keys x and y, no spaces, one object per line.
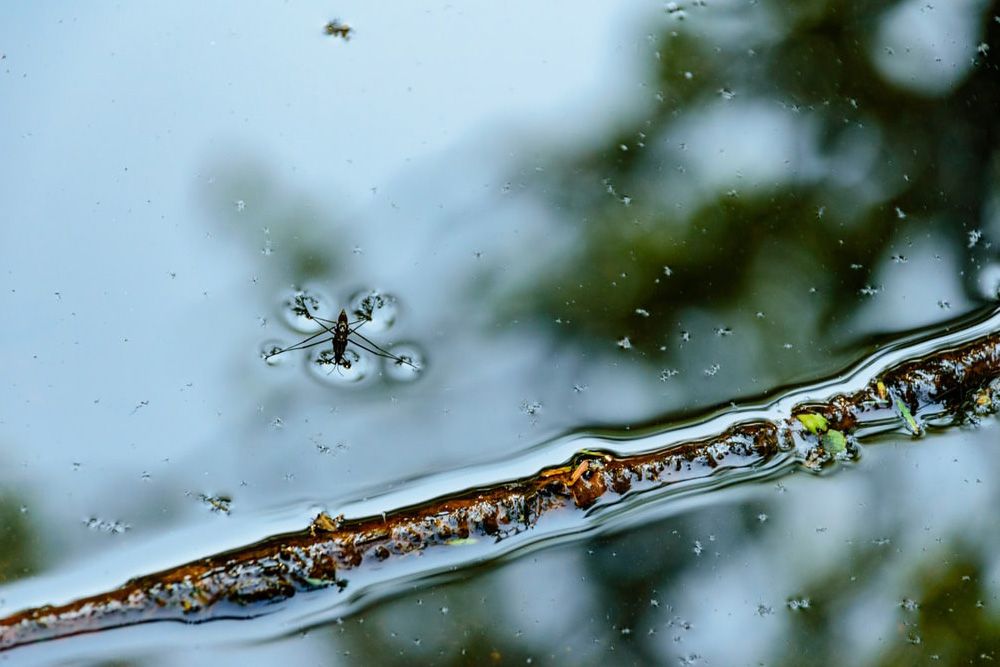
{"x":834,"y":442}
{"x":911,"y":423}
{"x":318,"y":583}
{"x":815,"y":423}
{"x":460,"y":541}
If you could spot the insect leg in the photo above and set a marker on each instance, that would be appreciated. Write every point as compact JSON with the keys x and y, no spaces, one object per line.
{"x":378,"y":347}
{"x":382,"y":353}
{"x":355,"y":324}
{"x":301,"y":345}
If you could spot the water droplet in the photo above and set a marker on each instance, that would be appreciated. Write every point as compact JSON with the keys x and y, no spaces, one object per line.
{"x":797,"y":604}
{"x":298,"y":305}
{"x":106,"y":526}
{"x":625,"y":343}
{"x":378,"y":308}
{"x":764,"y":610}
{"x":869,"y":290}
{"x":531,"y":408}
{"x":240,"y":205}
{"x":410,"y":363}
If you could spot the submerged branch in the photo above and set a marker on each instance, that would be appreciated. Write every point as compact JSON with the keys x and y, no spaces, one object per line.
{"x":946,"y":386}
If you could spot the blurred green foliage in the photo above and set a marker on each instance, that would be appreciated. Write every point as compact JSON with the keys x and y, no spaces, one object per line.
{"x":872,"y":160}
{"x":18,"y":544}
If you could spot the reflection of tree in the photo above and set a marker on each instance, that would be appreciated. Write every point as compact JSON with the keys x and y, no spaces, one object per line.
{"x":945,"y":616}
{"x":870,"y":152}
{"x":18,"y":545}
{"x":952,"y":619}
{"x":249,"y":203}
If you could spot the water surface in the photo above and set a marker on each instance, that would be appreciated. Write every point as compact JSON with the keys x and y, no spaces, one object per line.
{"x":589,"y":217}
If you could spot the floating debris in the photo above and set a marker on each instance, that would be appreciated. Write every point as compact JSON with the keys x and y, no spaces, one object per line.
{"x":336,"y":28}
{"x":218,"y":504}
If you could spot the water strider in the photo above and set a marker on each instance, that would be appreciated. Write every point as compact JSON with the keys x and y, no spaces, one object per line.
{"x":339,"y":336}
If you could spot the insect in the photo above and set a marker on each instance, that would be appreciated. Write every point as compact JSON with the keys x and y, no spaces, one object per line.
{"x":340,"y":333}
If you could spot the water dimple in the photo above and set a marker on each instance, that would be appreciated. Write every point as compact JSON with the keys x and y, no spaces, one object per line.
{"x":408,"y":365}
{"x":378,"y":309}
{"x":298,"y":306}
{"x":322,"y":366}
{"x":269,"y":353}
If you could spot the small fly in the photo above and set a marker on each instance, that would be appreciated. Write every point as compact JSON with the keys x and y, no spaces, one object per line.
{"x":340,"y":332}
